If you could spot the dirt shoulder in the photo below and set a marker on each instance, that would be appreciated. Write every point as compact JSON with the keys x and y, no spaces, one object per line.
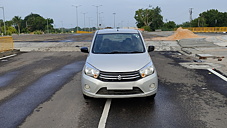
{"x":64,"y":37}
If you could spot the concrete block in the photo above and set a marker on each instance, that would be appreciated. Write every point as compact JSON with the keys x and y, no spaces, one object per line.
{"x":204,"y":55}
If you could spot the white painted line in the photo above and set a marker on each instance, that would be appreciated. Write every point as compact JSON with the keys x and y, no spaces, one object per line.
{"x":8,"y":56}
{"x":217,"y":74}
{"x":102,"y":121}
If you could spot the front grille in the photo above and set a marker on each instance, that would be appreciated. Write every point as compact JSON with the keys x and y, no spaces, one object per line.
{"x":119,"y":76}
{"x":104,"y":91}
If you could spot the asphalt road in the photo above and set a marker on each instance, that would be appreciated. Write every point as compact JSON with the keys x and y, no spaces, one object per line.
{"x":42,"y":90}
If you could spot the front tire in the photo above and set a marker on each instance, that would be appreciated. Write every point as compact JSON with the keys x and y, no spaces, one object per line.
{"x":151,"y":97}
{"x":86,"y":97}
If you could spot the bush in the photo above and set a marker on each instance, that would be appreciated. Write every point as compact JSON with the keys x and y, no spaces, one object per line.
{"x":9,"y":30}
{"x":147,"y":28}
{"x":38,"y":32}
{"x":9,"y":33}
{"x":167,"y":29}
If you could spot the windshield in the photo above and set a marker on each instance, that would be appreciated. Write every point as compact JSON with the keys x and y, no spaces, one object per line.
{"x":116,"y":43}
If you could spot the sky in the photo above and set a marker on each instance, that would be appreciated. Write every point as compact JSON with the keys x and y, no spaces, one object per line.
{"x":64,"y":13}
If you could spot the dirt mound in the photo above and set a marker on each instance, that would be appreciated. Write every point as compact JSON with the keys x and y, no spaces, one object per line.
{"x":179,"y":34}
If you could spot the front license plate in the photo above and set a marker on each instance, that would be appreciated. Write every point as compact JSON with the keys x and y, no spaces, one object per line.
{"x":119,"y":86}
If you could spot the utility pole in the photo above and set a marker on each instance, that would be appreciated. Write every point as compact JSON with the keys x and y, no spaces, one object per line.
{"x":97,"y":6}
{"x":190,"y":12}
{"x":114,"y":19}
{"x":76,"y":16}
{"x":4,"y":20}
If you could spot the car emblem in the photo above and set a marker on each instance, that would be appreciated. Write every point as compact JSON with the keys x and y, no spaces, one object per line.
{"x":119,"y":77}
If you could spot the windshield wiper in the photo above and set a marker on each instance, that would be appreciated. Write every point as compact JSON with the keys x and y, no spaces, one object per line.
{"x":117,"y":52}
{"x":136,"y":52}
{"x":120,"y":52}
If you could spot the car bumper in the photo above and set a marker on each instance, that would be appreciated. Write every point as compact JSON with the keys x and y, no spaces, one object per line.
{"x":98,"y":89}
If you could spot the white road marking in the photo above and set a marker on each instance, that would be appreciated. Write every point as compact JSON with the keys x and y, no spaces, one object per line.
{"x":102,"y":121}
{"x":8,"y":56}
{"x":217,"y":74}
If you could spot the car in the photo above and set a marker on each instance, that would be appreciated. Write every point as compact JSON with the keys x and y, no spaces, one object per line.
{"x":118,"y":66}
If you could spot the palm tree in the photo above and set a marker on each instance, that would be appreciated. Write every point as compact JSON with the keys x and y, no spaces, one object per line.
{"x":17,"y":21}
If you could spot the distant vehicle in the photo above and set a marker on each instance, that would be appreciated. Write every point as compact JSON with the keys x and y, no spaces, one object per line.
{"x":108,"y":28}
{"x":118,"y":66}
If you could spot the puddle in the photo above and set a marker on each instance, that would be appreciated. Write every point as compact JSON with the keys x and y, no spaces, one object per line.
{"x":7,"y":78}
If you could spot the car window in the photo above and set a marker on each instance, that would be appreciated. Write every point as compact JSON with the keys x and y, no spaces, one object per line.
{"x":114,"y":43}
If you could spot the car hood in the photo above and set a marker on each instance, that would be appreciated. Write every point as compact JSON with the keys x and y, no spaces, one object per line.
{"x":119,"y":62}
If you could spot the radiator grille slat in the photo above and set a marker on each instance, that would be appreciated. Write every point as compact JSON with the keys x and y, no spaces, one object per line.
{"x":119,"y":76}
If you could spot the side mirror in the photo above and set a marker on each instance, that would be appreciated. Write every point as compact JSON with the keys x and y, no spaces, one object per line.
{"x":150,"y":48}
{"x":84,"y":49}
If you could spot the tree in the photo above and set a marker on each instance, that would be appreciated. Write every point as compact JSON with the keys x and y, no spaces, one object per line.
{"x":149,"y":17}
{"x":169,"y":25}
{"x":157,"y":21}
{"x":10,"y":30}
{"x":214,"y":18}
{"x":17,"y":23}
{"x":9,"y":23}
{"x":35,"y":22}
{"x":199,"y":22}
{"x":143,"y":17}
{"x":49,"y":27}
{"x":211,"y":17}
{"x":1,"y":26}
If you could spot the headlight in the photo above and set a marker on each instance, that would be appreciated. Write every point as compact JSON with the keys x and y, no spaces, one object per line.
{"x":147,"y":70}
{"x":91,"y":71}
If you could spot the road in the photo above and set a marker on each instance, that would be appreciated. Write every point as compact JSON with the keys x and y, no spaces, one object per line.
{"x":42,"y":89}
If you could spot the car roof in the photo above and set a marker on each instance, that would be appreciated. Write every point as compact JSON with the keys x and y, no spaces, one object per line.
{"x":107,"y":31}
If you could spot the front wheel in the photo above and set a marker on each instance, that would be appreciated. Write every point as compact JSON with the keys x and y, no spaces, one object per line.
{"x":86,"y":97}
{"x":151,"y":97}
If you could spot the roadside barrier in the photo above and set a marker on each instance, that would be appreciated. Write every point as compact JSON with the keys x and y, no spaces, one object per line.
{"x":207,"y":29}
{"x":83,"y":32}
{"x":6,"y":43}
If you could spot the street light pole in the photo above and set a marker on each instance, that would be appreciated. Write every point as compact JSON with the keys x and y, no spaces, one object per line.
{"x":89,"y":21}
{"x":76,"y":17}
{"x":4,"y":20}
{"x":97,"y":6}
{"x":100,"y":20}
{"x":62,"y":27}
{"x":47,"y":27}
{"x":114,"y":19}
{"x":84,"y":18}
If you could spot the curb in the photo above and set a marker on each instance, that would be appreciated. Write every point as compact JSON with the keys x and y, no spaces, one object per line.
{"x":8,"y":53}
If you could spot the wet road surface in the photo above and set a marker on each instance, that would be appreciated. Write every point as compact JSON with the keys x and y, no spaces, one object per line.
{"x":42,"y":89}
{"x":20,"y":106}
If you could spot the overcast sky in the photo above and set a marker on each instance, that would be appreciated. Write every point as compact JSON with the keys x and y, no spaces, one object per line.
{"x":64,"y":14}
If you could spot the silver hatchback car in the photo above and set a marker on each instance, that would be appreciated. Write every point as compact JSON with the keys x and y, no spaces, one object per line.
{"x":118,"y":66}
